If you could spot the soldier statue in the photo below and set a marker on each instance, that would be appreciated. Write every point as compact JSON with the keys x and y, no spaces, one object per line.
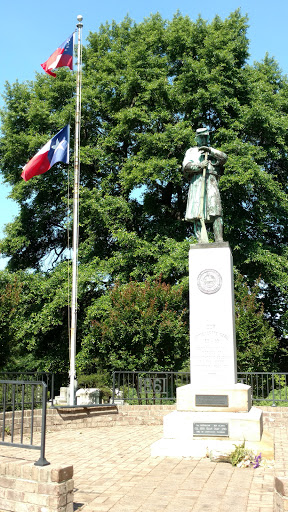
{"x":202,"y":166}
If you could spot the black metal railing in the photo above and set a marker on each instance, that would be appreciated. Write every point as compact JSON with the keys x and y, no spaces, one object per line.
{"x":268,"y":388}
{"x":47,"y":377}
{"x":147,"y":387}
{"x":160,"y":387}
{"x":19,"y":401}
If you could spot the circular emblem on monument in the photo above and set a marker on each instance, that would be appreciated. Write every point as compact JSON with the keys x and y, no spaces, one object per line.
{"x":209,"y":281}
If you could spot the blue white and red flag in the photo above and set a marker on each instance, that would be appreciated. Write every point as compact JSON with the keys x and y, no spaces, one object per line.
{"x":63,"y":56}
{"x":56,"y":150}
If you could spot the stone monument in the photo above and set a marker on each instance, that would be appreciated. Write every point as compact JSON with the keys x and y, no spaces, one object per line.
{"x":213,"y":411}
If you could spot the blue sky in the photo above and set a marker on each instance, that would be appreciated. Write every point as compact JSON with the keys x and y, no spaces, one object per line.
{"x":32,"y":30}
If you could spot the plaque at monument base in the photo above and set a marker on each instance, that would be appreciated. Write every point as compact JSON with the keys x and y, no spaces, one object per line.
{"x":239,"y":426}
{"x":192,"y":434}
{"x":210,"y":429}
{"x":211,"y":400}
{"x":234,"y":398}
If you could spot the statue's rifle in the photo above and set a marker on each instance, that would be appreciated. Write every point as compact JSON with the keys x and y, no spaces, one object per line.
{"x":203,"y":233}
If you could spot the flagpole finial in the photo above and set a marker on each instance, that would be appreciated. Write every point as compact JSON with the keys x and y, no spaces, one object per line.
{"x":79,"y":18}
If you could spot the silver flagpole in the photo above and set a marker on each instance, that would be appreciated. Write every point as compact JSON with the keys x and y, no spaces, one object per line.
{"x":75,"y":218}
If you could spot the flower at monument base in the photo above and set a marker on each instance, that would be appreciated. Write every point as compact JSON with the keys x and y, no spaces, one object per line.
{"x":245,"y":463}
{"x":257,"y":461}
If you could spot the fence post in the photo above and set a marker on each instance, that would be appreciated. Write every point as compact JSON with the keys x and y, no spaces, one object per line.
{"x":42,"y":461}
{"x":273,"y":390}
{"x":52,"y":390}
{"x":4,"y":411}
{"x":113,"y":390}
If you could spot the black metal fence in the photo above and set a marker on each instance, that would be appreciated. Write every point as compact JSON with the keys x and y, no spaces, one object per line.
{"x":48,"y":378}
{"x":19,"y":401}
{"x":147,"y":387}
{"x":160,"y":387}
{"x":267,"y":388}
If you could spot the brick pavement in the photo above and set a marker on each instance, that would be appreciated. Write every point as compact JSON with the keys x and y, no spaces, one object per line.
{"x":113,"y":471}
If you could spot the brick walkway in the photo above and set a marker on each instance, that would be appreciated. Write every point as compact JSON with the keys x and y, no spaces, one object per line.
{"x":113,"y":471}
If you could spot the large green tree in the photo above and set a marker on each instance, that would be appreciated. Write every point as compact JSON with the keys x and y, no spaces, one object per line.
{"x":146,"y":88}
{"x":10,"y":293}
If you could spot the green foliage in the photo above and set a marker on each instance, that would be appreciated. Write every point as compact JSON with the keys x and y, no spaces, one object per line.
{"x":279,"y":396}
{"x":138,"y":326}
{"x":146,"y":88}
{"x":256,"y":341}
{"x":94,"y":380}
{"x":10,"y":291}
{"x":100,"y":380}
{"x":277,"y":399}
{"x":14,"y":395}
{"x":39,"y":327}
{"x":241,"y":454}
{"x":151,"y":397}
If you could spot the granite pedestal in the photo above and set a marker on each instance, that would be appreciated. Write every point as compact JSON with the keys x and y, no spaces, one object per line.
{"x":214,"y":409}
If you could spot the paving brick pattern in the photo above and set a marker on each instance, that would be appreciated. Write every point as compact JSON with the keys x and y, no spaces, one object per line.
{"x":113,"y":471}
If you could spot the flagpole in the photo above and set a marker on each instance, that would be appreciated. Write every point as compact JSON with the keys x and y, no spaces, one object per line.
{"x":73,"y":330}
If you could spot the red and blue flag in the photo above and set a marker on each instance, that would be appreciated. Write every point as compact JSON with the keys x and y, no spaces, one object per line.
{"x":63,"y":56}
{"x":56,"y":150}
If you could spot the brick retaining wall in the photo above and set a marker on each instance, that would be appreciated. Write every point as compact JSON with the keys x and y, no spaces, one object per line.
{"x":274,"y":416}
{"x":108,"y":416}
{"x":102,"y":416}
{"x":25,"y":487}
{"x":135,"y":415}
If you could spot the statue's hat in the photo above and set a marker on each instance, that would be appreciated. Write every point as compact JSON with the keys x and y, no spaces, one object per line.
{"x":202,"y":131}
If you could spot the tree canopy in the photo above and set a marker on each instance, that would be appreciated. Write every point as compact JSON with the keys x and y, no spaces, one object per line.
{"x":146,"y":88}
